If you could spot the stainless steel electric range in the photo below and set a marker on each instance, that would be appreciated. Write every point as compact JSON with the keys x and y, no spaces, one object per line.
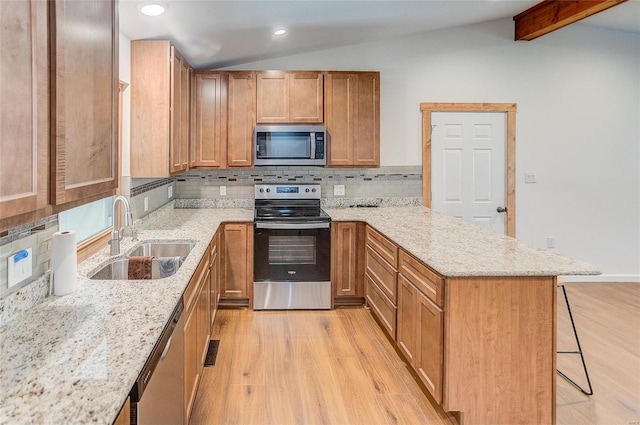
{"x":292,"y":248}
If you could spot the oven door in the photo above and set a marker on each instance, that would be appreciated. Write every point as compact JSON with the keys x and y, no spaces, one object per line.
{"x":297,"y":252}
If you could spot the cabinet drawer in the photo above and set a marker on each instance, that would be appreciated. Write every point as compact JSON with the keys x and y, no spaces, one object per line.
{"x":189,"y":296}
{"x":382,"y":273}
{"x":427,"y":281}
{"x":383,"y":246}
{"x":384,"y":309}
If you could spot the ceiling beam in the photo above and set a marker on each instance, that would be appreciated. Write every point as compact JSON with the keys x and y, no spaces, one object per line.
{"x":550,"y":15}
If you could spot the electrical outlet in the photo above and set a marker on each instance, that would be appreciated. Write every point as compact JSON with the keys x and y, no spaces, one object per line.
{"x":223,"y":190}
{"x":170,"y":192}
{"x":338,"y":190}
{"x":19,"y":267}
{"x":551,"y":242}
{"x":146,"y":203}
{"x":530,"y":177}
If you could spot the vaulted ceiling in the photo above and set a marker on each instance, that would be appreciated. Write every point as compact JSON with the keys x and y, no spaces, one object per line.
{"x":213,"y":33}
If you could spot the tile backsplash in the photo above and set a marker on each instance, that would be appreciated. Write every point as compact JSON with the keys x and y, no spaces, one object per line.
{"x":38,"y":236}
{"x":360,"y":183}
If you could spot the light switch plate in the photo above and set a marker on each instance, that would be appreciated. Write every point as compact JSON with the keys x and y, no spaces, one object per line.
{"x":19,"y":266}
{"x":338,"y":190}
{"x":170,"y":192}
{"x":223,"y":190}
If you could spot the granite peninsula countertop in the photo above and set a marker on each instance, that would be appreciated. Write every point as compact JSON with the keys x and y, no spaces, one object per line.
{"x":455,"y":248}
{"x":73,"y":359}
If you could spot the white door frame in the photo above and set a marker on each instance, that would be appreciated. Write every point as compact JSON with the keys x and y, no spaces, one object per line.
{"x":510,"y":166}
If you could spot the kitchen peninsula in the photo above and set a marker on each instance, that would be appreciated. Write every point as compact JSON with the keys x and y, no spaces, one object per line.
{"x":73,"y":359}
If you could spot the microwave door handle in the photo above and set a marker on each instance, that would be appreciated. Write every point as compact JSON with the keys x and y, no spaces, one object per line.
{"x":312,"y":141}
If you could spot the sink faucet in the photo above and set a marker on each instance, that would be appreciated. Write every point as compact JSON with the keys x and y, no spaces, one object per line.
{"x":117,"y":232}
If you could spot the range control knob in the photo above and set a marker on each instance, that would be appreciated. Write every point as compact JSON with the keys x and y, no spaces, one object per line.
{"x":268,"y":190}
{"x":306,"y":190}
{"x":313,"y":190}
{"x":261,"y":190}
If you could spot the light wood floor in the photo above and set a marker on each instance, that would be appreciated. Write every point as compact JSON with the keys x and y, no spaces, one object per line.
{"x":337,"y":367}
{"x":607,"y":318}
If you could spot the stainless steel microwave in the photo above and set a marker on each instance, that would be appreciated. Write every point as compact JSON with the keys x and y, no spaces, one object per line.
{"x":290,"y":145}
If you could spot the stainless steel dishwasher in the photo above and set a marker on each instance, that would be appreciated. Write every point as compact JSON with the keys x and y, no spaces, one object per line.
{"x":157,"y":396}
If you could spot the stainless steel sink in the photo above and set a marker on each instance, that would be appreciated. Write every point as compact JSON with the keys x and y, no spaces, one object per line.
{"x":118,"y":268}
{"x":162,"y":249}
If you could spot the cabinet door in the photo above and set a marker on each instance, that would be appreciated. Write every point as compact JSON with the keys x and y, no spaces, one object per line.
{"x":214,"y":278}
{"x":177,"y":88}
{"x":191,"y":369}
{"x":367,"y":127}
{"x":204,"y":319}
{"x":352,"y":116}
{"x":407,"y":329}
{"x":345,"y":259}
{"x":185,"y":91}
{"x":151,"y":93}
{"x":340,"y":94}
{"x":272,"y":94}
{"x":236,"y":261}
{"x":306,"y":97}
{"x":241,"y":119}
{"x":429,"y":356}
{"x":85,"y":93}
{"x":24,"y":122}
{"x":210,"y":117}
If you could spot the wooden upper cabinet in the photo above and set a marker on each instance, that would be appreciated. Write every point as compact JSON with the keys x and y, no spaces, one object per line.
{"x":160,"y":98}
{"x":24,"y":122}
{"x":209,"y":141}
{"x":241,"y":118}
{"x":289,"y":97}
{"x":179,"y":124}
{"x":352,"y":117}
{"x":84,"y":94}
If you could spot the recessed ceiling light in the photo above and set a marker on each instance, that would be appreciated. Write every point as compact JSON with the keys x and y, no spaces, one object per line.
{"x":153,"y":9}
{"x":280,"y":31}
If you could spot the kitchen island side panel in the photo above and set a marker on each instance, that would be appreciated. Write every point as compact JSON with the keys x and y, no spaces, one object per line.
{"x":500,"y":349}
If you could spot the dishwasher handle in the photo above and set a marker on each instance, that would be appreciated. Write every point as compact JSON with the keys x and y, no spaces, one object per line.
{"x":166,"y":349}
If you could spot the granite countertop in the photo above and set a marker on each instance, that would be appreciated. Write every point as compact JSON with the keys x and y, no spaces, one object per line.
{"x":455,"y":248}
{"x":73,"y":359}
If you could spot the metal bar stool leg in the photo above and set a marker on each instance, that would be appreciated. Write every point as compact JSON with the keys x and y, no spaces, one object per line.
{"x":575,"y":333}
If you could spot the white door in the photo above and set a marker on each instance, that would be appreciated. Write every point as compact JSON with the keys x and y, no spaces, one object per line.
{"x":468,"y":166}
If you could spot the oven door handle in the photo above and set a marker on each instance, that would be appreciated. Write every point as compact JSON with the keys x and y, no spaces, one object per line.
{"x":293,"y":226}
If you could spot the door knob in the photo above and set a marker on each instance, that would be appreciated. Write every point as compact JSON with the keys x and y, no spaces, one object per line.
{"x":501,"y":209}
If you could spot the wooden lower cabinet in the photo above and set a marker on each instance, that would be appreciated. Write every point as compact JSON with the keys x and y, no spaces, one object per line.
{"x":197,"y":328}
{"x":407,"y":323}
{"x":381,"y":306}
{"x":237,"y":261}
{"x":419,"y":334}
{"x":428,"y":361}
{"x":347,"y":257}
{"x":214,"y":276}
{"x":204,"y":317}
{"x":191,"y":372}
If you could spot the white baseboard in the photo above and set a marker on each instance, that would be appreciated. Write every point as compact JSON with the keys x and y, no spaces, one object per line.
{"x":604,"y":278}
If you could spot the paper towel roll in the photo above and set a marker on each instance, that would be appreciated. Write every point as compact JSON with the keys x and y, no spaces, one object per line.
{"x":64,"y":263}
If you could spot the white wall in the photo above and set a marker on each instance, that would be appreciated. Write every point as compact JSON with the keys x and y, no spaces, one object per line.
{"x":578,"y":122}
{"x":125,"y":76}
